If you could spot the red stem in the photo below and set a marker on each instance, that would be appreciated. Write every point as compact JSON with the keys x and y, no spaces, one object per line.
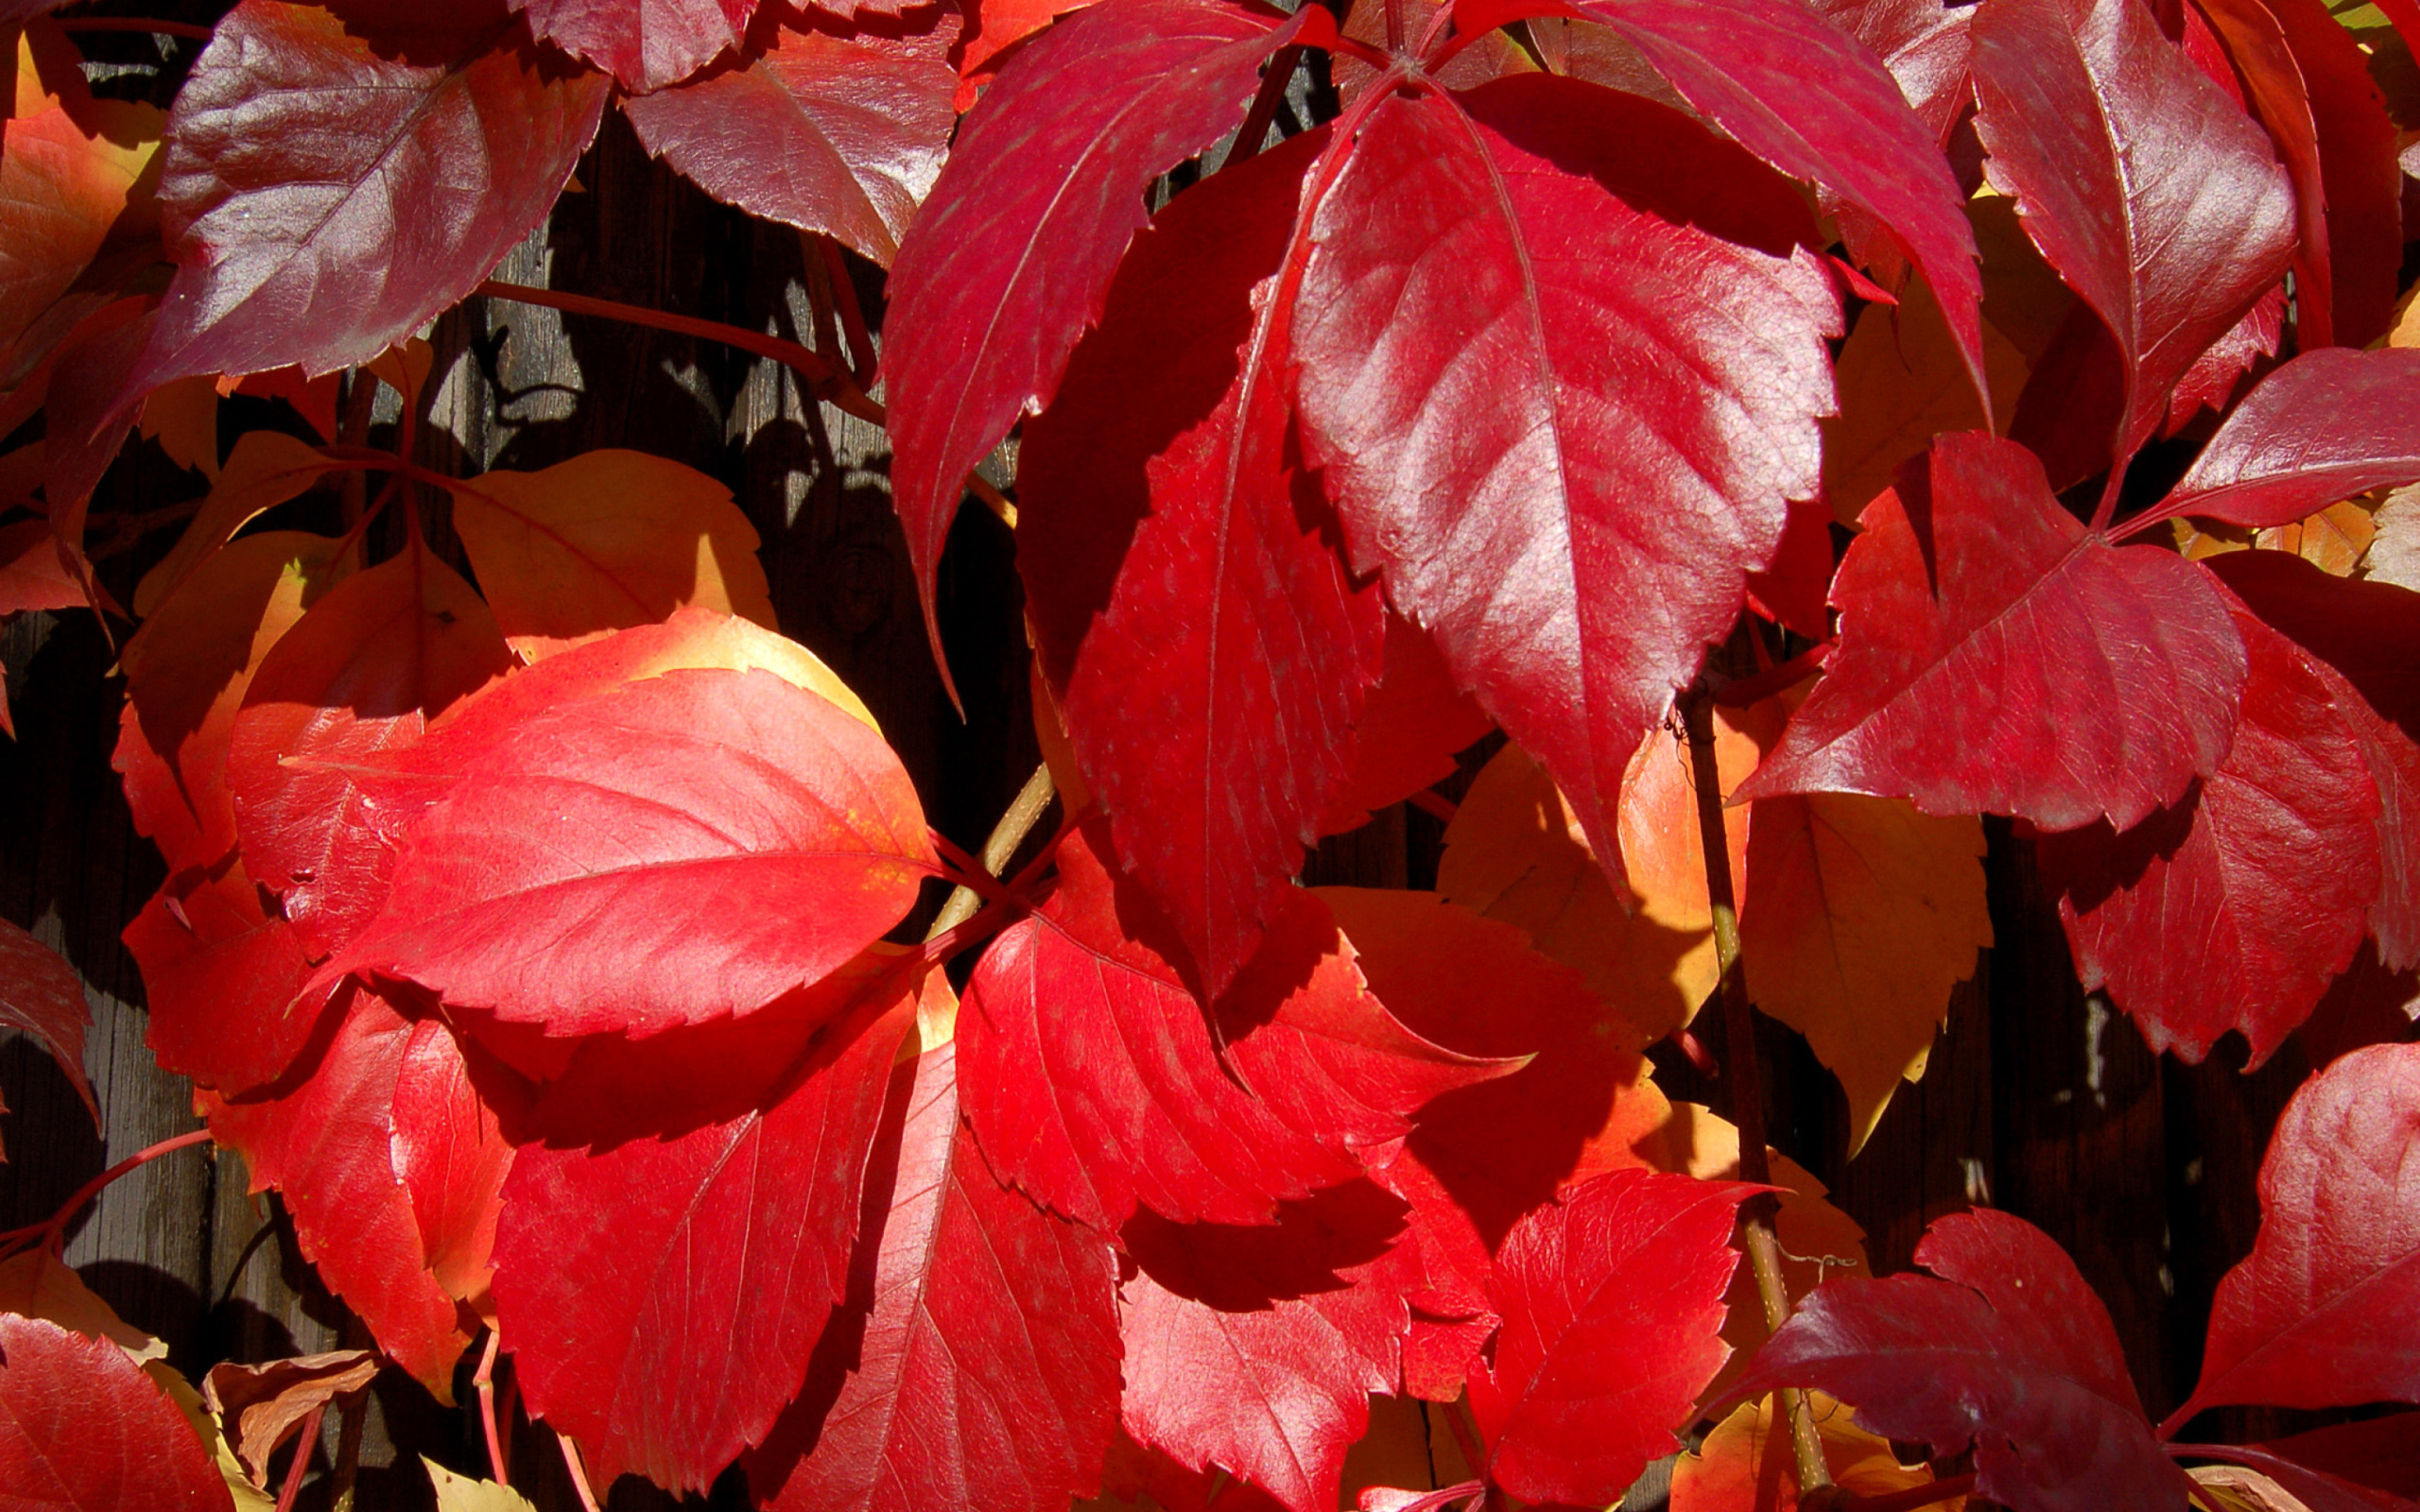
{"x":966,"y":871}
{"x":1775,"y":678}
{"x":1436,"y":805}
{"x":578,"y":1473}
{"x":1023,"y":883}
{"x":305,"y":1441}
{"x":143,"y":24}
{"x":853,"y":319}
{"x":1699,"y":1055}
{"x":485,"y":1381}
{"x":1466,"y":1436}
{"x":1264,"y":107}
{"x":54,"y":1227}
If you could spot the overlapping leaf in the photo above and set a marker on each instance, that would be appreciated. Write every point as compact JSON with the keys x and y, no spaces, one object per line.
{"x":1745,"y":1465}
{"x":82,"y":1429}
{"x":402,"y":170}
{"x":1212,"y":673}
{"x":1014,"y":253}
{"x":2323,"y":1311}
{"x":1612,"y":1301}
{"x":1526,"y":427}
{"x":223,"y":976}
{"x":2150,"y":191}
{"x":2329,"y":424}
{"x":645,"y":45}
{"x":1088,"y":1071}
{"x":664,"y":1265}
{"x":40,"y":996}
{"x":837,"y":134}
{"x":977,"y":1366}
{"x":2235,"y":908}
{"x":554,"y":883}
{"x":1995,"y":657}
{"x":2008,"y":1351}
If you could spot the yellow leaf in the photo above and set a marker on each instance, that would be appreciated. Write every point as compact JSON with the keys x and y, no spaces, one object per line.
{"x":1746,"y":1465}
{"x":2334,"y":541}
{"x":605,"y":542}
{"x":1901,"y":383}
{"x":266,"y":469}
{"x":462,"y":1493}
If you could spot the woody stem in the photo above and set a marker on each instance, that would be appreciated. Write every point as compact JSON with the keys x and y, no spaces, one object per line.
{"x":1746,"y":1076}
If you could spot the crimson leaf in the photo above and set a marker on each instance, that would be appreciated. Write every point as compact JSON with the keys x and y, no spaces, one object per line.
{"x":645,"y":45}
{"x":84,"y":1428}
{"x":42,"y":996}
{"x":2329,"y":424}
{"x":1525,"y":424}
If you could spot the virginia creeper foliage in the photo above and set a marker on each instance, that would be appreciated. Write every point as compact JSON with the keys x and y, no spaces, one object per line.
{"x":1801,"y":430}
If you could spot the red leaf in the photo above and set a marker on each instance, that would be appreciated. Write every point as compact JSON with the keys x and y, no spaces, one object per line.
{"x":1995,"y":657}
{"x":645,"y":45}
{"x":360,"y":673}
{"x":1612,"y":1301}
{"x":556,"y":883}
{"x":2327,"y":425}
{"x":32,"y":573}
{"x":1014,"y":253}
{"x":40,"y":996}
{"x":2326,"y":1310}
{"x":977,"y":1366}
{"x":328,"y":1146}
{"x":2210,"y":383}
{"x":1524,"y":424}
{"x":1789,"y":85}
{"x":1923,"y":43}
{"x":1257,"y":1348}
{"x":2010,"y":1351}
{"x":84,"y":1428}
{"x":2150,"y":192}
{"x":662,"y":1283}
{"x":398,"y":177}
{"x":2236,"y":907}
{"x":837,"y":134}
{"x":1212,"y":698}
{"x":1412,"y":729}
{"x":2376,"y":1453}
{"x":1091,"y":1080}
{"x":223,"y":978}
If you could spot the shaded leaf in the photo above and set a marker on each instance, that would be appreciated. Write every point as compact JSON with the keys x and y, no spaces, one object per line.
{"x":67,"y":169}
{"x":2149,"y":190}
{"x":839,"y":134}
{"x":42,"y":997}
{"x":1413,"y":725}
{"x":1013,"y":254}
{"x":84,"y":1429}
{"x":554,"y":882}
{"x":605,"y":542}
{"x":1612,"y":1300}
{"x":261,"y":1404}
{"x":1902,"y":383}
{"x":1090,"y":1076}
{"x":1498,"y":374}
{"x":2008,"y":1351}
{"x":266,"y":469}
{"x":2326,"y":1310}
{"x":1995,"y":657}
{"x":2235,"y":908}
{"x":403,"y":171}
{"x":977,"y":1364}
{"x":1224,"y":659}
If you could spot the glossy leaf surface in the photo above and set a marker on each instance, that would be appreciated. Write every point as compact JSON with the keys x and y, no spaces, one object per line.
{"x":82,"y":1429}
{"x":645,"y":45}
{"x":2327,"y":425}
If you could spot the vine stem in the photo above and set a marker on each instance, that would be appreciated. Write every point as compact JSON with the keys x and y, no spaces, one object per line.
{"x":1747,"y":1079}
{"x":53,"y":1230}
{"x":823,"y":379}
{"x":485,"y":1381}
{"x":578,"y":1473}
{"x":304,"y":1442}
{"x":1000,"y":847}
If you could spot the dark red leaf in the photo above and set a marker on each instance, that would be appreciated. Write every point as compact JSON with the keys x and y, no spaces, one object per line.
{"x":1524,"y":424}
{"x":645,"y":45}
{"x":2211,"y":382}
{"x":837,"y":134}
{"x":1257,"y":1348}
{"x":2235,"y":908}
{"x":362,"y":672}
{"x":40,"y":996}
{"x":2316,"y":1490}
{"x":1923,"y":43}
{"x":84,"y":1428}
{"x":1612,"y":1301}
{"x":664,"y":1286}
{"x":555,"y":883}
{"x":1212,"y":698}
{"x":2361,"y":180}
{"x":395,"y":178}
{"x":2327,"y":425}
{"x":2326,"y":1310}
{"x":1995,"y":657}
{"x":2150,"y":191}
{"x":1413,"y":725}
{"x":978,"y":1363}
{"x":223,"y":976}
{"x":328,"y":1146}
{"x":1789,"y":85}
{"x":1090,"y":1077}
{"x":1013,"y":254}
{"x":2009,"y":1351}
{"x":2375,"y":1453}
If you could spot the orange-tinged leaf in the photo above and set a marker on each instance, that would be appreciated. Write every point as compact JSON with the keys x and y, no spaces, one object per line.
{"x":184,"y":418}
{"x":1744,"y":1466}
{"x":605,"y":542}
{"x":2334,"y":541}
{"x":2394,"y":552}
{"x":32,"y":576}
{"x":1857,"y":916}
{"x":265,"y":469}
{"x":1901,"y":384}
{"x":260,"y":1404}
{"x":186,"y":670}
{"x":65,"y":175}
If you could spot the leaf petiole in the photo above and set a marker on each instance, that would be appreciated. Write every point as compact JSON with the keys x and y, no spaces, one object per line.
{"x":52,"y":1232}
